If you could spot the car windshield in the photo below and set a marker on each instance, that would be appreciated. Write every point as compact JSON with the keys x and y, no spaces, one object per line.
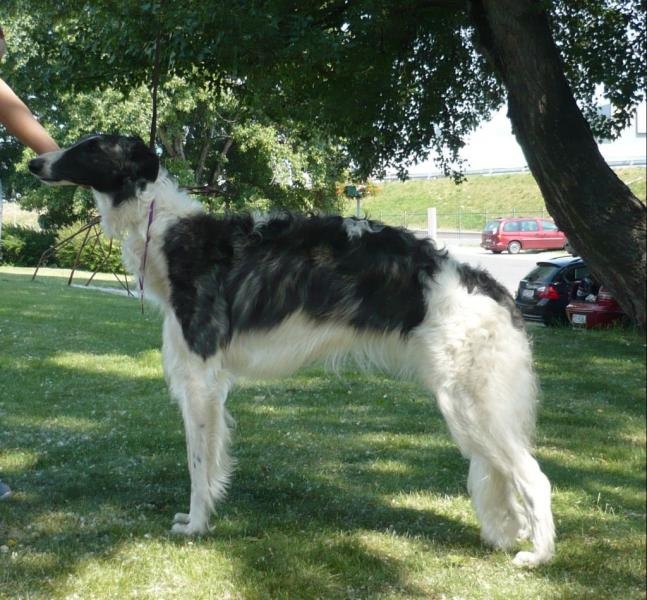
{"x":491,"y":227}
{"x":541,"y":273}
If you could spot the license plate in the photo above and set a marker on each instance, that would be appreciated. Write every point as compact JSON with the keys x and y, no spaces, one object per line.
{"x":527,"y":293}
{"x":578,"y":319}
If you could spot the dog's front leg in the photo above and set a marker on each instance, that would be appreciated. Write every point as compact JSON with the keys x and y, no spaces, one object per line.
{"x":195,"y":404}
{"x":207,"y":426}
{"x":189,"y":378}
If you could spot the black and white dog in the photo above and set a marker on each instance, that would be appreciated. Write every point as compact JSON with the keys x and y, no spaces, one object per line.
{"x":262,"y":296}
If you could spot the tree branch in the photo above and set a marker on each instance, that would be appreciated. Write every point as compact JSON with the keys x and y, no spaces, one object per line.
{"x":156,"y":79}
{"x":215,"y":174}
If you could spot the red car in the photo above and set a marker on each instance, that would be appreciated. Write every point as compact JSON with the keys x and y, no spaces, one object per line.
{"x":521,"y":233}
{"x":600,"y":311}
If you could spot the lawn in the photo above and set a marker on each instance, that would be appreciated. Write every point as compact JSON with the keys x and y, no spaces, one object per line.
{"x":346,"y":487}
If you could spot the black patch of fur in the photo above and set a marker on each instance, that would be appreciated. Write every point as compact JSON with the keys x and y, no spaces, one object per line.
{"x":231,"y":275}
{"x":480,"y":281}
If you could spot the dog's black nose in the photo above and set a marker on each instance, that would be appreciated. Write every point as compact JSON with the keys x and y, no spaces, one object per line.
{"x":36,"y":165}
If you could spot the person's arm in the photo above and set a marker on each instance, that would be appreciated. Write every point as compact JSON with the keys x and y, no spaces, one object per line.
{"x":19,"y":120}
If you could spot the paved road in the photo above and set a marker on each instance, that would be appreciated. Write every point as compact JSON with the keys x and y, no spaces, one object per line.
{"x":507,"y":268}
{"x":464,"y":238}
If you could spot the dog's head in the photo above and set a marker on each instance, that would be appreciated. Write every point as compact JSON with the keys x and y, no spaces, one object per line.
{"x":114,"y":165}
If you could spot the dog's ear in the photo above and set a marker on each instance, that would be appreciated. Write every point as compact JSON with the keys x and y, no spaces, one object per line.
{"x":141,"y":161}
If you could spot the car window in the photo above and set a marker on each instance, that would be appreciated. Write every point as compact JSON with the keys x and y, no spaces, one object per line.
{"x":542,"y":273}
{"x":511,"y":226}
{"x":569,"y":275}
{"x":529,"y":226}
{"x":491,"y":227}
{"x":549,"y":226}
{"x":573,"y":274}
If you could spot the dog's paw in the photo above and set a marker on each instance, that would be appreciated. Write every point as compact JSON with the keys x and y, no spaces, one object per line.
{"x":183,"y":518}
{"x":183,"y":525}
{"x":187,"y":529}
{"x":182,"y":529}
{"x":530,"y":559}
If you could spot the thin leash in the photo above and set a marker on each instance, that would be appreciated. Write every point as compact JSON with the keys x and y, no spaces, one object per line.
{"x":142,"y":266}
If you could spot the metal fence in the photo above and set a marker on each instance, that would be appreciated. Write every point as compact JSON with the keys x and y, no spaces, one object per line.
{"x":457,"y":221}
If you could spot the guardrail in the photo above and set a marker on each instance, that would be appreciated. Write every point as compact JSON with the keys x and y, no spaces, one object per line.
{"x":461,"y":221}
{"x":628,"y":162}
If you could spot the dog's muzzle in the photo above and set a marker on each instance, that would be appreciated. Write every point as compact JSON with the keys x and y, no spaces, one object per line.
{"x":37,"y":166}
{"x":41,"y":167}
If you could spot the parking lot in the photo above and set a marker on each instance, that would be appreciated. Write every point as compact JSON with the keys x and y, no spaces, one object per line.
{"x":507,"y":268}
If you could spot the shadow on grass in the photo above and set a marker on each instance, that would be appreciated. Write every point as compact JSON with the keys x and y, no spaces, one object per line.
{"x":116,"y":468}
{"x":100,"y":462}
{"x":288,"y":523}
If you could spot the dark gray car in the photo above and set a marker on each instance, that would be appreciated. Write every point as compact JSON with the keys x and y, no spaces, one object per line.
{"x":543,"y":294}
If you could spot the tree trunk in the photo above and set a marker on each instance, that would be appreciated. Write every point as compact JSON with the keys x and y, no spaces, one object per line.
{"x":204,"y":152}
{"x":603,"y":220}
{"x":222,"y":157}
{"x":173,"y":142}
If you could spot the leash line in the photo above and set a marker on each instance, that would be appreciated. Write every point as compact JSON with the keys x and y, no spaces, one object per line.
{"x":142,"y":266}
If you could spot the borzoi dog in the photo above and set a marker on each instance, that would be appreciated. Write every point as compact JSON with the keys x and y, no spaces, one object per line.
{"x":258,"y":297}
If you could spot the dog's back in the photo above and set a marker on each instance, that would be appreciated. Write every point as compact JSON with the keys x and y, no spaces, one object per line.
{"x":240,"y":274}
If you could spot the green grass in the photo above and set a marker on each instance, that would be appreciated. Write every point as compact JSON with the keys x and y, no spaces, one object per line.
{"x":346,"y":487}
{"x":478,"y":199}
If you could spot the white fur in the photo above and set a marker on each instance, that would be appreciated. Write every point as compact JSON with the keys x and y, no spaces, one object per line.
{"x":358,"y":227}
{"x":466,"y":352}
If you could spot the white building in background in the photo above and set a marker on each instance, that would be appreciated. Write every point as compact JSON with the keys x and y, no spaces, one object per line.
{"x":493,"y":147}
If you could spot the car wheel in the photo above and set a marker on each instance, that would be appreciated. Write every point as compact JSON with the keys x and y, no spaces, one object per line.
{"x":514,"y":247}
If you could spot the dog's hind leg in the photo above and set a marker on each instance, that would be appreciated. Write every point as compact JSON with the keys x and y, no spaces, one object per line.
{"x":483,"y":381}
{"x":510,"y":494}
{"x":502,"y":517}
{"x":534,"y":489}
{"x":512,"y":500}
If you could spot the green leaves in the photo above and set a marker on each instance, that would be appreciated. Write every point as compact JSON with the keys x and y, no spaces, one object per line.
{"x":602,"y":45}
{"x":384,"y":85}
{"x":211,"y":130}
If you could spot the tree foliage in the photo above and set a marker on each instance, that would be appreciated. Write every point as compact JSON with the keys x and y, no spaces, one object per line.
{"x":208,"y":137}
{"x":376,"y":82}
{"x":392,"y":81}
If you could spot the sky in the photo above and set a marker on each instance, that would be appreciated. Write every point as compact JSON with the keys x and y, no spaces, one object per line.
{"x":493,"y":146}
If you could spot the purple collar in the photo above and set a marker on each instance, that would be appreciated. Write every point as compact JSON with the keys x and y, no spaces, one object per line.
{"x":142,"y":266}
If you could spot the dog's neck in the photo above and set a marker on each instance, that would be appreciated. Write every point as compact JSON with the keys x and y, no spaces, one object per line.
{"x":130,"y":222}
{"x":130,"y":217}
